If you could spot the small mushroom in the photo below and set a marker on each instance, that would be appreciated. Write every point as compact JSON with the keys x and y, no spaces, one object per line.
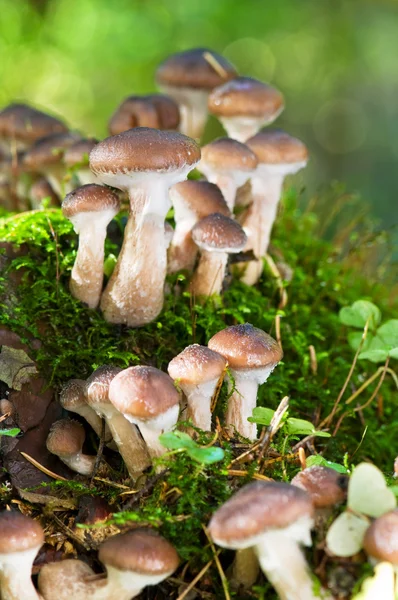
{"x":146,"y":163}
{"x":192,"y":200}
{"x":244,"y":105}
{"x":155,"y":110}
{"x":20,"y":540}
{"x":147,"y":397}
{"x":381,"y":540}
{"x":189,"y":78}
{"x":90,"y":209}
{"x":229,"y":164}
{"x":41,"y":190}
{"x":216,"y":236}
{"x":76,"y":160}
{"x":65,"y":440}
{"x":198,"y":370}
{"x":252,"y":355}
{"x":126,"y":436}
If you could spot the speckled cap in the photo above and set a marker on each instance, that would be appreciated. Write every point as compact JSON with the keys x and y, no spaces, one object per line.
{"x":326,"y":486}
{"x":245,"y":96}
{"x":274,"y":146}
{"x":90,"y":198}
{"x":78,"y":152}
{"x":245,"y":346}
{"x":190,"y":69}
{"x":154,"y":110}
{"x":219,"y":233}
{"x":143,"y":392}
{"x":201,"y":197}
{"x":48,"y":150}
{"x":97,"y":385}
{"x":257,"y":507}
{"x":66,"y":437}
{"x":144,"y":149}
{"x":18,"y":533}
{"x":73,"y":394}
{"x":141,"y":550}
{"x":381,"y":539}
{"x":27,"y":124}
{"x":226,"y":154}
{"x":197,"y":364}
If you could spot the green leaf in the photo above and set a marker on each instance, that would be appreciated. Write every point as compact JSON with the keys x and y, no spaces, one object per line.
{"x":388,"y":332}
{"x":206,"y":456}
{"x":302,"y":427}
{"x":316,"y":459}
{"x":177,"y":440}
{"x":393,"y":353}
{"x":109,"y":264}
{"x":261,"y":416}
{"x":394,"y":490}
{"x":358,"y":314}
{"x":375,"y":356}
{"x":10,"y":432}
{"x":355,"y":337}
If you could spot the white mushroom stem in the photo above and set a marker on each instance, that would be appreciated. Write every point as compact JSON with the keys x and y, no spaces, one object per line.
{"x":227,"y":182}
{"x":123,"y":585}
{"x":199,"y":402}
{"x":183,"y":250}
{"x":244,"y":399}
{"x":266,"y":185}
{"x":88,"y":271}
{"x":134,"y":294}
{"x":93,"y":420}
{"x":86,"y":176}
{"x":81,"y":463}
{"x":243,"y":128}
{"x":128,"y":440}
{"x":193,"y":109}
{"x":152,"y":428}
{"x":15,"y":575}
{"x":210,"y":273}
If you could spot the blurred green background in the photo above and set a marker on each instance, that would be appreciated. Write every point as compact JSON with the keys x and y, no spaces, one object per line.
{"x":336,"y":61}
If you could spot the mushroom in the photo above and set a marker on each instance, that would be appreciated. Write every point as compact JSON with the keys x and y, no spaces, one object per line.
{"x":155,"y":110}
{"x":252,"y":355}
{"x":65,"y":440}
{"x":188,"y":77}
{"x":198,"y":370}
{"x":216,"y":236}
{"x":145,"y":162}
{"x":244,"y":105}
{"x":381,"y":540}
{"x":147,"y":397}
{"x":126,"y":436}
{"x":90,"y":209}
{"x":41,"y":190}
{"x":229,"y":164}
{"x":133,"y":560}
{"x":192,"y":200}
{"x":76,"y":160}
{"x":274,"y":519}
{"x":45,"y":157}
{"x":20,"y":540}
{"x":279,"y":154}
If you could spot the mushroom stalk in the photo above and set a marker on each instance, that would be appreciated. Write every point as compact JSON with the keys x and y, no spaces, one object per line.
{"x":199,"y":403}
{"x":242,"y":128}
{"x":88,"y":271}
{"x":193,"y":109}
{"x":152,"y":428}
{"x":134,"y":294}
{"x":210,"y":273}
{"x":15,"y":575}
{"x":183,"y":250}
{"x":228,"y":187}
{"x":266,"y":193}
{"x":81,"y":463}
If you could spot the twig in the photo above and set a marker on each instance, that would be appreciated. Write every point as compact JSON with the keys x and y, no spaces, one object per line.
{"x":70,"y":533}
{"x":302,"y":458}
{"x":279,"y":281}
{"x":34,"y":462}
{"x":278,"y":330}
{"x":99,"y":452}
{"x":213,"y":62}
{"x":224,"y":581}
{"x":197,"y":578}
{"x":273,"y":426}
{"x":313,"y":360}
{"x":258,"y":476}
{"x":370,"y":380}
{"x":147,"y":488}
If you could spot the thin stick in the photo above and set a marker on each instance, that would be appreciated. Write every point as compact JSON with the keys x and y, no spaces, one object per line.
{"x":196,"y":579}
{"x":258,"y":476}
{"x":273,"y":426}
{"x":313,"y":360}
{"x":279,"y":281}
{"x":370,"y":380}
{"x":224,"y":581}
{"x":302,"y":458}
{"x":34,"y":462}
{"x":278,"y":330}
{"x":213,"y":62}
{"x":373,"y":396}
{"x":70,"y":533}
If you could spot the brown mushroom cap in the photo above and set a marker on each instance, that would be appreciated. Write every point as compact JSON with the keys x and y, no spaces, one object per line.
{"x":226,"y":154}
{"x":190,"y":69}
{"x":97,"y":385}
{"x":18,"y":533}
{"x":217,"y":232}
{"x":89,"y":198}
{"x":201,"y":197}
{"x":66,"y":437}
{"x":48,"y":150}
{"x":27,"y":124}
{"x":274,"y":146}
{"x":141,"y":551}
{"x":326,"y":486}
{"x":143,"y":392}
{"x":144,"y":149}
{"x":245,"y":96}
{"x":257,"y":507}
{"x":153,"y":110}
{"x":167,"y":109}
{"x":197,"y":364}
{"x":245,"y":346}
{"x":381,"y":539}
{"x":41,"y":189}
{"x":73,"y":394}
{"x":78,"y":152}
